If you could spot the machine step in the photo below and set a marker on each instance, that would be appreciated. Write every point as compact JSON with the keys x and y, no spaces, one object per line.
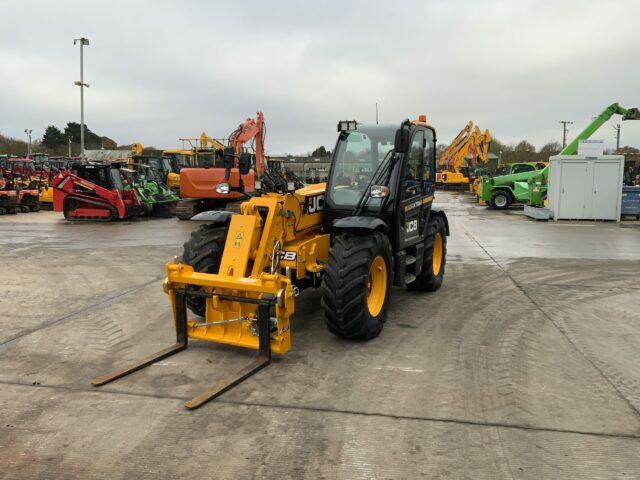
{"x":409,"y":260}
{"x":409,"y":277}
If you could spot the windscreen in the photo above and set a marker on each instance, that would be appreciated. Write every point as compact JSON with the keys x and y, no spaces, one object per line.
{"x":116,"y":180}
{"x":206,"y":159}
{"x":166,"y":165}
{"x":177,"y":161}
{"x":358,"y":154}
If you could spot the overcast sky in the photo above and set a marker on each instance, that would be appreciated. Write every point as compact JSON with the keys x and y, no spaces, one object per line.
{"x":160,"y":70}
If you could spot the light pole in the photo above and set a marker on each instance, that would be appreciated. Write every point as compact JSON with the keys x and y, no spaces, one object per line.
{"x":69,"y":148}
{"x":28,"y":132}
{"x":83,"y":41}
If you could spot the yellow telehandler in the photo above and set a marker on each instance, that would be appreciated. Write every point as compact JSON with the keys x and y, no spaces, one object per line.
{"x":370,"y":227}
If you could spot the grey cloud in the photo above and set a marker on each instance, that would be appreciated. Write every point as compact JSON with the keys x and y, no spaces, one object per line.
{"x":162,"y":70}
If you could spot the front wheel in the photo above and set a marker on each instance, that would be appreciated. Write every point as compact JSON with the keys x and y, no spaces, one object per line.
{"x":203,"y":251}
{"x":356,"y":285}
{"x":500,"y":200}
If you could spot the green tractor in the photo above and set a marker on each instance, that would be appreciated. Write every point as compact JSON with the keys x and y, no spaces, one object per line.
{"x":156,"y":199}
{"x":530,"y":188}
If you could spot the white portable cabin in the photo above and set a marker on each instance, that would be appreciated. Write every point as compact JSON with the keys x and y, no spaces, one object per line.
{"x":581,"y":187}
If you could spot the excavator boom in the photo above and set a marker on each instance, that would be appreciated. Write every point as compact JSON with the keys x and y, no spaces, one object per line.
{"x":470,"y":140}
{"x":251,"y":130}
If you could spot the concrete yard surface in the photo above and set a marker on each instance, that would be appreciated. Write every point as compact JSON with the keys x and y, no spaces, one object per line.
{"x":525,"y":365}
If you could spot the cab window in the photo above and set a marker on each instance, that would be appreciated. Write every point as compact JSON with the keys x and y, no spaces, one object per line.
{"x":429,"y":158}
{"x":413,"y":169}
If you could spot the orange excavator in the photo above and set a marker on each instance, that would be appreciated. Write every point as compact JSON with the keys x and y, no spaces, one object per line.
{"x":233,"y":170}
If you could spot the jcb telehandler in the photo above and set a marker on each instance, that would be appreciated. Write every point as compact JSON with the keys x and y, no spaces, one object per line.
{"x":372,"y":227}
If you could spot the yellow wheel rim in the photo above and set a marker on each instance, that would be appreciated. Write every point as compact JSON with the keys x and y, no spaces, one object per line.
{"x":377,"y":286}
{"x":436,"y":261}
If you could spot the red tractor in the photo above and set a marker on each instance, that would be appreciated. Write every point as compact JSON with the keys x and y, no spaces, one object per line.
{"x":94,"y":192}
{"x":19,"y":174}
{"x":8,"y":197}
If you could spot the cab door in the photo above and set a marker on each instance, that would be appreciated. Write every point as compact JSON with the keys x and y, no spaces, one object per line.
{"x":412,"y":193}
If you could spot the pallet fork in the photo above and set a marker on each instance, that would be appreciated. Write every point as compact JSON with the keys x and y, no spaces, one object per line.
{"x":180,"y":296}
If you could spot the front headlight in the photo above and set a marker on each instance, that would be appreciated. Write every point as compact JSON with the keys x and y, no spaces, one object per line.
{"x":222,"y":188}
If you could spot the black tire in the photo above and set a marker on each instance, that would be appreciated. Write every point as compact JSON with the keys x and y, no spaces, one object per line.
{"x":430,"y":280}
{"x":203,"y":251}
{"x":500,"y":200}
{"x":345,"y":285}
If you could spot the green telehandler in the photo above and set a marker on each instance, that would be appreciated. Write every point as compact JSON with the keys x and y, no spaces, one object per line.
{"x":530,"y":188}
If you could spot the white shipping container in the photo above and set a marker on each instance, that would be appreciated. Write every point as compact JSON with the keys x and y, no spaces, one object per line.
{"x":585,"y":188}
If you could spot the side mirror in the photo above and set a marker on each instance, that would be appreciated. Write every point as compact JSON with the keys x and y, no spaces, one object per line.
{"x":229,"y":157}
{"x":401,"y":143}
{"x":379,"y":191}
{"x":244,"y":163}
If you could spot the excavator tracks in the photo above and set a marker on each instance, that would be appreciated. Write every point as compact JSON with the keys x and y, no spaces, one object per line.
{"x":185,"y":209}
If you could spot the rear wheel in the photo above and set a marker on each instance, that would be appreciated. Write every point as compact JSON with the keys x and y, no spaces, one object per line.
{"x":356,"y":285}
{"x":500,"y":200}
{"x":203,"y":251}
{"x":435,"y":258}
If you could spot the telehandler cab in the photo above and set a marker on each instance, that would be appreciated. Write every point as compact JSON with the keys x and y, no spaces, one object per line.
{"x":372,"y":227}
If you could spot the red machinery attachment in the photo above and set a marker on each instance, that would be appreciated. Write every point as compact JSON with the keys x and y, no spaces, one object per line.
{"x":94,"y":192}
{"x":8,"y":197}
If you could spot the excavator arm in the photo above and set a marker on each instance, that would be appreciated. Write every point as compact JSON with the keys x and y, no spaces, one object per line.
{"x":455,"y":145}
{"x":470,"y":139}
{"x":251,"y":130}
{"x":206,"y":142}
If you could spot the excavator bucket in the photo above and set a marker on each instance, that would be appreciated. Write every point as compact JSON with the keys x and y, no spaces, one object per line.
{"x":245,"y":310}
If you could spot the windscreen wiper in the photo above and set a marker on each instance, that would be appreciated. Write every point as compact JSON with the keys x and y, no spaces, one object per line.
{"x":376,"y":174}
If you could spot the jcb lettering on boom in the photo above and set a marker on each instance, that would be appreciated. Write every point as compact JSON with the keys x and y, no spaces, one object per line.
{"x":314,"y":204}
